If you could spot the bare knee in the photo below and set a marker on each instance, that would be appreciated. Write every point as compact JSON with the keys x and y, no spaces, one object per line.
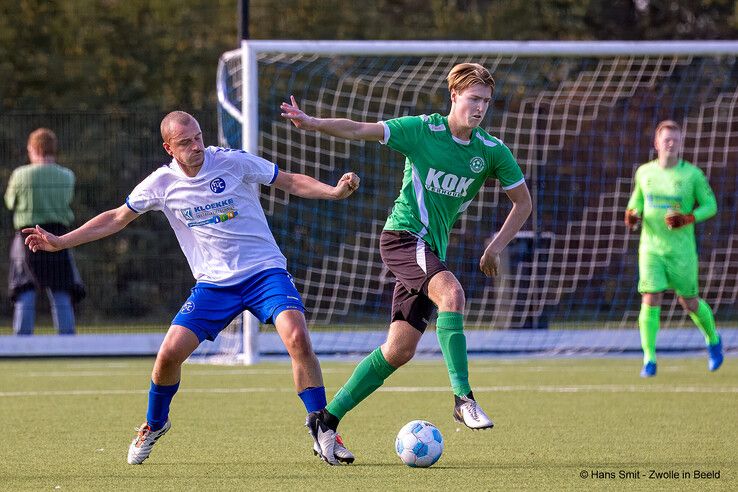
{"x":178,"y":344}
{"x":452,"y":300}
{"x":297,"y":342}
{"x":446,"y":292}
{"x":652,"y":299}
{"x":168,"y":358}
{"x":293,"y":331}
{"x":690,"y":305}
{"x":398,"y":354}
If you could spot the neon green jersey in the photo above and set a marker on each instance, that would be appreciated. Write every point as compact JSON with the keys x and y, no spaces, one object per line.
{"x":442,"y":175}
{"x":658,"y":190}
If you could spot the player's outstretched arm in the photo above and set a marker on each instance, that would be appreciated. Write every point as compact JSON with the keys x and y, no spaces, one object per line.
{"x":307,"y":187}
{"x":337,"y":127}
{"x":103,"y":225}
{"x":522,"y":206}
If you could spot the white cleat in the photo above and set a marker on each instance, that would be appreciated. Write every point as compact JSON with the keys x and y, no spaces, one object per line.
{"x":324,"y":438}
{"x":339,"y":451}
{"x":140,"y":448}
{"x":469,"y":413}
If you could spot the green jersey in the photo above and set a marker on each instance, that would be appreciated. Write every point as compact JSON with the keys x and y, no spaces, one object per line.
{"x":442,"y":175}
{"x":40,"y":194}
{"x":657,"y":191}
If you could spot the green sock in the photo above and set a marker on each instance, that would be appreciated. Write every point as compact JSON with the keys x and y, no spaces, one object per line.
{"x":367,"y":377}
{"x":648,"y":321}
{"x":705,"y":321}
{"x":451,"y":338}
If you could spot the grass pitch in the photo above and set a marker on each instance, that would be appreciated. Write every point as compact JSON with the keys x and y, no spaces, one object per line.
{"x":561,"y":424}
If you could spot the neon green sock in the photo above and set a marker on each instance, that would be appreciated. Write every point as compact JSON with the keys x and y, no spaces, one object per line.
{"x":648,"y":321}
{"x":367,"y":377}
{"x":705,"y":321}
{"x":451,"y":338}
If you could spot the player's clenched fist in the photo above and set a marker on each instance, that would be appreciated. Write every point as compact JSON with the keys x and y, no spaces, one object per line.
{"x":675,"y":220}
{"x":348,"y":183}
{"x":632,"y":219}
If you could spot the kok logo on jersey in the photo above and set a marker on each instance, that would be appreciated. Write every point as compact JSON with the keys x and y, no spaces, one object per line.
{"x":476,"y":164}
{"x":446,"y":183}
{"x":217,"y":185}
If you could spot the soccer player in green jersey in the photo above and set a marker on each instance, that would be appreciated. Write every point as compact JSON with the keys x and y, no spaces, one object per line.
{"x":669,"y":196}
{"x":448,"y":159}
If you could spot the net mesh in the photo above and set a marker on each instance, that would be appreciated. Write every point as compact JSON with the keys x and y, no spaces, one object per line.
{"x":578,"y":126}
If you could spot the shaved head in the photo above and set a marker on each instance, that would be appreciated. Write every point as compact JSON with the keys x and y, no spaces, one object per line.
{"x":175,"y":118}
{"x":183,"y":141}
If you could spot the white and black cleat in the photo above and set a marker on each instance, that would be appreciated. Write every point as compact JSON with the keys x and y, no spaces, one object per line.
{"x":324,"y":438}
{"x":140,"y":448}
{"x":342,"y":454}
{"x":468,"y":412}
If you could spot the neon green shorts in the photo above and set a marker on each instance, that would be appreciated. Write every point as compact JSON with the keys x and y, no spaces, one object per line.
{"x":658,"y":273}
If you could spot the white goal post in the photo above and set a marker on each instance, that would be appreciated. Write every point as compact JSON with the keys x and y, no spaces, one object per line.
{"x":538,"y":124}
{"x":578,"y":116}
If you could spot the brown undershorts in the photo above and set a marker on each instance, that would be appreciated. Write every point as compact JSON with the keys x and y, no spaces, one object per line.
{"x":413,"y":263}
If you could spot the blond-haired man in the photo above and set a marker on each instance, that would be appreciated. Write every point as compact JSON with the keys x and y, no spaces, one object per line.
{"x":669,"y":196}
{"x":448,"y":159}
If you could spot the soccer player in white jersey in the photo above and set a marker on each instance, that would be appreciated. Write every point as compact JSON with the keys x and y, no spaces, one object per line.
{"x":448,"y":159}
{"x":208,"y":196}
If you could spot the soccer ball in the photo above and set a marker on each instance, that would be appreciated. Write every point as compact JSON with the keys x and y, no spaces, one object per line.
{"x":419,"y":444}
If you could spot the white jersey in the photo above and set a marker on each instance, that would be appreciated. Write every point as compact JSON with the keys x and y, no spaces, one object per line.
{"x":216,"y":215}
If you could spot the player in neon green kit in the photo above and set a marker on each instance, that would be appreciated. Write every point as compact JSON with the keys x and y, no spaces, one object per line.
{"x":669,"y":196}
{"x":448,"y":159}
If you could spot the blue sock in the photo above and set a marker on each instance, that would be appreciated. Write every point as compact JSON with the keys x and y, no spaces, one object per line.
{"x":313,"y":398}
{"x":159,"y":399}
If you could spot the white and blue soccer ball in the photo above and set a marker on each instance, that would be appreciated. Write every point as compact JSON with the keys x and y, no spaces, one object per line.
{"x":419,"y":444}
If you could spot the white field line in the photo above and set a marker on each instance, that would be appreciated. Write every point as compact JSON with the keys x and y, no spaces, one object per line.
{"x":245,"y":371}
{"x":216,"y":372}
{"x":607,"y":388}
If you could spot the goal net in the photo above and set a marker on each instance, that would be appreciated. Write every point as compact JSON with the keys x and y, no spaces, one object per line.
{"x":579,"y":117}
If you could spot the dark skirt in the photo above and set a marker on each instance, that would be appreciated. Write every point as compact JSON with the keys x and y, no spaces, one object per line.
{"x":40,"y":270}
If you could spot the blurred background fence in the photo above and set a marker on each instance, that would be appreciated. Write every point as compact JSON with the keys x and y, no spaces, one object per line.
{"x":138,"y":277}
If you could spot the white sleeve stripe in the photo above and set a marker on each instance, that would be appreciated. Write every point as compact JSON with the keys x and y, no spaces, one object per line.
{"x":514,"y":185}
{"x":386,"y":137}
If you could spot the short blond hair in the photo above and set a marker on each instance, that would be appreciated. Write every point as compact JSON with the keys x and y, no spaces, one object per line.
{"x":667,"y":124}
{"x":178,"y":117}
{"x":43,"y":142}
{"x":464,"y":75}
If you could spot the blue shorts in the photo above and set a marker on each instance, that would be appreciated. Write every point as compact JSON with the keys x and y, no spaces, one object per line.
{"x":210,"y":308}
